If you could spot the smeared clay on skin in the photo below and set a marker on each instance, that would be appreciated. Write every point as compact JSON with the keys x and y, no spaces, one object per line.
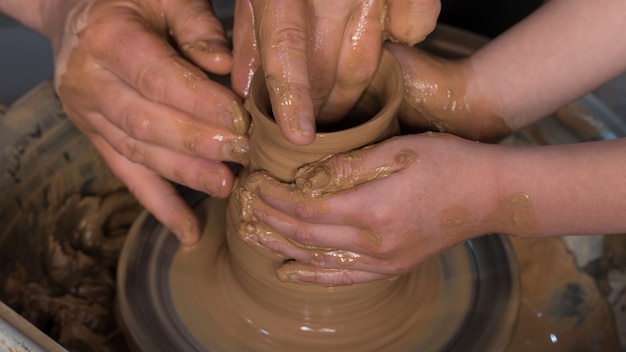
{"x":190,"y":75}
{"x":429,"y":105}
{"x":237,"y":149}
{"x":284,"y":96}
{"x":343,"y":258}
{"x":237,"y":117}
{"x":199,"y":46}
{"x":319,"y":178}
{"x":255,"y":234}
{"x":521,"y":212}
{"x":454,"y":216}
{"x":234,"y":116}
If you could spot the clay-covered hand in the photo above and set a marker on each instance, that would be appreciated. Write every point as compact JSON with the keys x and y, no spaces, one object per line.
{"x":437,"y":97}
{"x":132,"y":75}
{"x":377,"y":212}
{"x":318,"y":56}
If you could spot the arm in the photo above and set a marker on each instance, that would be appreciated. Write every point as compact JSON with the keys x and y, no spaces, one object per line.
{"x":577,"y":189}
{"x":419,"y":195}
{"x":562,"y":51}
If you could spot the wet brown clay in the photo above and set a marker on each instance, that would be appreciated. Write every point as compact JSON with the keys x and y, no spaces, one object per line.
{"x":239,"y":303}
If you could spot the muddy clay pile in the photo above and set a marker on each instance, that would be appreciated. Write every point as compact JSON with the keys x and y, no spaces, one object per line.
{"x":73,"y":302}
{"x":64,"y":219}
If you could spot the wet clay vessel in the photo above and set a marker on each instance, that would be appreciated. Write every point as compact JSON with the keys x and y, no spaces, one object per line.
{"x":223,"y":294}
{"x":251,"y":309}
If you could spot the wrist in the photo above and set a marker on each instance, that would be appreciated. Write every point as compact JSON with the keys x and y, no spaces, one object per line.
{"x":441,"y":95}
{"x":466,"y":197}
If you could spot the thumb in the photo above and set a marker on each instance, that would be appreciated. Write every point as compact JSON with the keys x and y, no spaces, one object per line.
{"x":339,"y":172}
{"x":199,"y":34}
{"x":245,"y":48}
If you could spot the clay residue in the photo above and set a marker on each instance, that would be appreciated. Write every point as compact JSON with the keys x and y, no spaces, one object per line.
{"x":73,"y":301}
{"x":454,"y":216}
{"x":561,"y":307}
{"x":204,"y":46}
{"x":521,"y":213}
{"x":336,"y":173}
{"x":515,"y":215}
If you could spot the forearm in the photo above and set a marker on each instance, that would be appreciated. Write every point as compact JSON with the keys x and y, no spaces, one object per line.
{"x":563,"y":189}
{"x":43,"y":16}
{"x":562,"y":51}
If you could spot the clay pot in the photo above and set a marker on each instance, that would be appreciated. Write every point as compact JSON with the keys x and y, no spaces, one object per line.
{"x":373,"y":119}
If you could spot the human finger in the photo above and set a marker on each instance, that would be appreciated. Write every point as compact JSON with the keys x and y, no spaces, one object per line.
{"x":283,"y":40}
{"x":245,"y":49}
{"x":156,"y":194}
{"x":205,"y":175}
{"x":305,"y":273}
{"x":143,"y":59}
{"x":261,"y":234}
{"x":327,"y":30}
{"x":350,"y":237}
{"x":358,"y":60}
{"x":199,"y":34}
{"x":409,"y":22}
{"x":161,"y":125}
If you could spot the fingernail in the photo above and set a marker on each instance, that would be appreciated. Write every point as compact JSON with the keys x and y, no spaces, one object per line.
{"x":305,"y":125}
{"x":254,"y":233}
{"x":238,"y":118}
{"x":234,"y":117}
{"x":244,"y":200}
{"x":286,"y":276}
{"x":237,"y":150}
{"x":215,"y":182}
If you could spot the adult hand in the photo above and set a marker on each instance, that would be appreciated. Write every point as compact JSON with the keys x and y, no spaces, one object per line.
{"x":319,"y":56}
{"x":132,"y":77}
{"x":439,"y":97}
{"x":380,"y":211}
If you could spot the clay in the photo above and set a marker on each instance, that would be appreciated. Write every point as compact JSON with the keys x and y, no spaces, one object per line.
{"x":561,"y":308}
{"x":226,"y":288}
{"x":72,"y":301}
{"x":281,"y":158}
{"x":316,"y":179}
{"x":228,"y":307}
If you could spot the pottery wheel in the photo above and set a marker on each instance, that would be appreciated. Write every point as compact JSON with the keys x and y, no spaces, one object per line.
{"x":473,"y":287}
{"x":176,"y":299}
{"x":454,"y":310}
